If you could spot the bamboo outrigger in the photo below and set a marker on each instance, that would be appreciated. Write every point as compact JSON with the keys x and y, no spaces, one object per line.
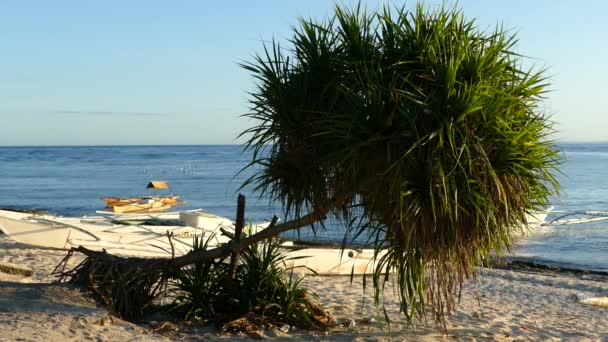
{"x":578,"y":217}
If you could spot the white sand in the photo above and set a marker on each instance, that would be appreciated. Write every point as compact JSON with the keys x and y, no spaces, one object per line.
{"x":514,"y":306}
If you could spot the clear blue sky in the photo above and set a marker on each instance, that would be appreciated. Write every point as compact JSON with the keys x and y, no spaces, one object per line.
{"x":147,"y":72}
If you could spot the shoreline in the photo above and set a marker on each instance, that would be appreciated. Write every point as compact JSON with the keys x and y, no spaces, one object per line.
{"x":507,"y":303}
{"x":525,"y":264}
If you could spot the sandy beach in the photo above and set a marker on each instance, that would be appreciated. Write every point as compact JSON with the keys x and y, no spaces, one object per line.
{"x":503,"y":305}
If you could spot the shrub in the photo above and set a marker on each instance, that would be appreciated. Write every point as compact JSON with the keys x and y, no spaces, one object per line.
{"x":263,"y":286}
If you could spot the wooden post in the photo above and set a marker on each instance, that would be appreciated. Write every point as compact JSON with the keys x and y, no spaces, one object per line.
{"x":238,"y":231}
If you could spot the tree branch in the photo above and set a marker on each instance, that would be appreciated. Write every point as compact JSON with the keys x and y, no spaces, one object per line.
{"x":218,"y":252}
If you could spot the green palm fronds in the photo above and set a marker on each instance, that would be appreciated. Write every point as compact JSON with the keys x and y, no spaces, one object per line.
{"x":422,"y":129}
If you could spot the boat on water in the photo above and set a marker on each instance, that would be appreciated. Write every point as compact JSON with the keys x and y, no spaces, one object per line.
{"x":117,"y":201}
{"x":577,"y":217}
{"x":152,"y":205}
{"x":538,"y":217}
{"x":144,"y":204}
{"x":112,"y":202}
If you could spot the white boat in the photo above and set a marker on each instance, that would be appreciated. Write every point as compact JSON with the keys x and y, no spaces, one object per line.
{"x":141,"y":235}
{"x":135,"y":235}
{"x":538,"y":217}
{"x":578,"y":217}
{"x":333,"y":261}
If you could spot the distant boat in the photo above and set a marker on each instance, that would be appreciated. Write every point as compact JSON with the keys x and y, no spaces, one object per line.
{"x":150,"y":207}
{"x":116,"y":201}
{"x":122,"y":205}
{"x":143,"y":204}
{"x":169,"y":200}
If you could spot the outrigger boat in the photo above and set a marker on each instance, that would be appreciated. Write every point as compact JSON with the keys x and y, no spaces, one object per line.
{"x":143,"y":204}
{"x":152,"y":206}
{"x":538,"y":218}
{"x":115,"y":201}
{"x":577,"y":217}
{"x":134,"y":235}
{"x":146,"y":235}
{"x":112,"y":202}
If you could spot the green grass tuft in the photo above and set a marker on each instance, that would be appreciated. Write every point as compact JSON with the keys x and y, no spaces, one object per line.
{"x":263,"y":286}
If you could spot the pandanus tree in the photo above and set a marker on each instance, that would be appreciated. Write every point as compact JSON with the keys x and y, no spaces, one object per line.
{"x":416,"y":129}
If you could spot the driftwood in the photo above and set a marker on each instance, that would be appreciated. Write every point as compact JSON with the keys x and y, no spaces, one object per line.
{"x":10,"y":268}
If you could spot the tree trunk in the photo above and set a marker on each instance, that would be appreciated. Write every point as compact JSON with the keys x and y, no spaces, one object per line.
{"x":238,"y":230}
{"x":218,"y":252}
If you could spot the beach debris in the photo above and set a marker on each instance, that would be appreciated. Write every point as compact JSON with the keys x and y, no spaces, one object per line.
{"x":80,"y":322}
{"x":104,"y":321}
{"x":14,"y":269}
{"x":592,"y":299}
{"x":284,"y":328}
{"x":165,"y":327}
{"x":348,"y":322}
{"x":256,"y":334}
{"x":249,"y":324}
{"x":369,"y":320}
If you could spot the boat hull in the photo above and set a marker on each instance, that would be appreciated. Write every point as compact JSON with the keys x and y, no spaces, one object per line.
{"x":118,"y":201}
{"x":120,"y":234}
{"x":333,"y":261}
{"x":35,"y":234}
{"x":112,"y":202}
{"x":538,"y":217}
{"x":141,"y":207}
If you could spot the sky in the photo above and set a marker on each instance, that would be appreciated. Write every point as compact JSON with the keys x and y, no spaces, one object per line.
{"x":167,"y":72}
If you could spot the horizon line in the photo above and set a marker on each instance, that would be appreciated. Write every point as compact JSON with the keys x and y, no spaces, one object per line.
{"x":238,"y":144}
{"x":122,"y":145}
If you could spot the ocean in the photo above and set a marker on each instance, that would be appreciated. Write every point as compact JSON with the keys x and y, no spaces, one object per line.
{"x":69,"y":181}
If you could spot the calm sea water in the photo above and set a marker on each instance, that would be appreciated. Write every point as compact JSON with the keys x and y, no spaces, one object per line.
{"x":69,"y":181}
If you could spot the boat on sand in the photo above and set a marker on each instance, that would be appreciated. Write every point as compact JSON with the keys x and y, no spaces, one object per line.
{"x":142,"y":235}
{"x":145,"y":235}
